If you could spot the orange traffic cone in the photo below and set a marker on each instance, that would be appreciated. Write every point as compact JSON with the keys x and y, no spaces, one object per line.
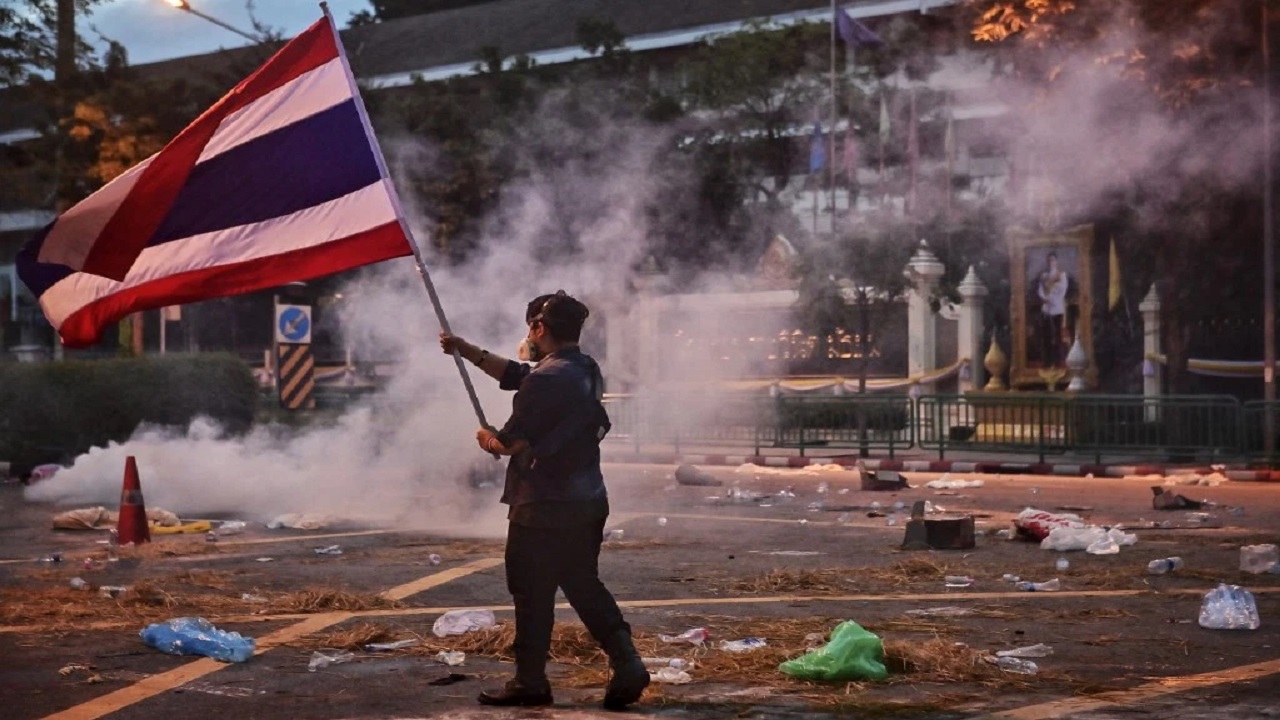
{"x":132,"y":525}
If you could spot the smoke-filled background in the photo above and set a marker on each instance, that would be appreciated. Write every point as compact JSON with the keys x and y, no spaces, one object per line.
{"x":1090,"y":117}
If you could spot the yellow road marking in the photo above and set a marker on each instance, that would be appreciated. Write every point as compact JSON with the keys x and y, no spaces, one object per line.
{"x":1146,"y":691}
{"x":430,"y":581}
{"x":156,"y":684}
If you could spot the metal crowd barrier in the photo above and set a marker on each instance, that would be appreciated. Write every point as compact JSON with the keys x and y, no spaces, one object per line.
{"x":1175,"y":427}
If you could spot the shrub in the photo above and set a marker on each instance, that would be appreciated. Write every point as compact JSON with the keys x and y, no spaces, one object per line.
{"x":52,"y":412}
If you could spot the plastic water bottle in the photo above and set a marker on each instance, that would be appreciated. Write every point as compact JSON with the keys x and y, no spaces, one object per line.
{"x":1164,"y":565}
{"x":113,"y":545}
{"x":1017,"y":665}
{"x":1047,"y":586}
{"x":197,"y":636}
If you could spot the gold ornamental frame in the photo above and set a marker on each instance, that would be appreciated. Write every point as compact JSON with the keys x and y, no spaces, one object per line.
{"x":1026,"y":247}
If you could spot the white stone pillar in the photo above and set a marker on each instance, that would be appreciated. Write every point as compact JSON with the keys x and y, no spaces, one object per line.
{"x":1152,"y":371}
{"x":969,"y":331}
{"x":924,"y":270}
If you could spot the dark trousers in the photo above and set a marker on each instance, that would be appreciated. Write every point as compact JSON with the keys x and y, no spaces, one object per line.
{"x":539,"y":560}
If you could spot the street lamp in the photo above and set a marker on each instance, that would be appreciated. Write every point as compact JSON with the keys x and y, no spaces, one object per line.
{"x":184,"y":5}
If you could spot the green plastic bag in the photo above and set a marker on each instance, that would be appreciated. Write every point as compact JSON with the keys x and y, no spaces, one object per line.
{"x":852,"y":654}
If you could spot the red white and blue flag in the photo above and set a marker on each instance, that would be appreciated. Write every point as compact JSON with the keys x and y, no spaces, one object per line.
{"x":281,"y":180}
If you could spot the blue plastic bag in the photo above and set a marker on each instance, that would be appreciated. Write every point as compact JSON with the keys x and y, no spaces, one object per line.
{"x":197,"y":636}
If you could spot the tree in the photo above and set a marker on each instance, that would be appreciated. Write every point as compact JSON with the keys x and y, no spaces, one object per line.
{"x":396,"y":9}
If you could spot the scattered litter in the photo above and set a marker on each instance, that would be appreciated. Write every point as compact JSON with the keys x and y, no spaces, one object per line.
{"x":1229,"y":607}
{"x":1164,"y":500}
{"x":880,"y":480}
{"x":1047,"y":586}
{"x":329,"y":550}
{"x":815,"y":639}
{"x":788,"y":553}
{"x":197,"y":636}
{"x":677,"y":663}
{"x":1164,"y":565}
{"x":662,"y":522}
{"x":1010,"y":577}
{"x":112,"y":591}
{"x":1213,"y":479}
{"x":946,"y":611}
{"x":434,"y":559}
{"x":388,"y":646}
{"x":852,"y":654}
{"x":1037,"y":524}
{"x":1016,"y":665}
{"x":693,"y":475}
{"x":614,"y":534}
{"x":459,"y":622}
{"x":945,"y":483}
{"x":97,"y":518}
{"x":266,"y":559}
{"x":79,"y":583}
{"x":1005,"y":534}
{"x":1062,"y":564}
{"x":324,"y":658}
{"x":251,"y":598}
{"x":695,"y":636}
{"x":1076,"y":508}
{"x":743,"y":645}
{"x":300,"y":521}
{"x":1093,"y":539}
{"x":452,"y":658}
{"x":958,"y":581}
{"x":671,"y":676}
{"x":1258,"y":559}
{"x":232,"y":527}
{"x":73,"y":667}
{"x":1031,"y":651}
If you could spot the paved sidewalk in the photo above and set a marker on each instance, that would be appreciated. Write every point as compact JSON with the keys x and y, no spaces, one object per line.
{"x":1008,"y":465}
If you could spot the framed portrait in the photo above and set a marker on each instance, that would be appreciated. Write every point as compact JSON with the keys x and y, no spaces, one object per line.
{"x":1051,"y":298}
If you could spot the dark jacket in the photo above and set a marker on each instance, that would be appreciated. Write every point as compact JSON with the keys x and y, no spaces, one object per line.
{"x":557,"y":410}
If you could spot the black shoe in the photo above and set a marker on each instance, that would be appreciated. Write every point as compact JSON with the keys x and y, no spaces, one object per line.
{"x":630,"y":676}
{"x":518,"y":694}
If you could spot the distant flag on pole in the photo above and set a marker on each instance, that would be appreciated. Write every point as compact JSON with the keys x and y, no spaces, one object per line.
{"x":281,"y":180}
{"x":1113,"y":278}
{"x":817,"y":150}
{"x":854,"y":33}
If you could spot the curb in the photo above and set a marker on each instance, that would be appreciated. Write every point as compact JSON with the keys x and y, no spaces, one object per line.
{"x":939,"y":466}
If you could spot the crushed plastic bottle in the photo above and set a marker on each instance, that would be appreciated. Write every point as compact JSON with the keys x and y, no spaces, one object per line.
{"x":743,"y":645}
{"x":958,"y":581}
{"x":324,"y":658}
{"x":1062,"y":564}
{"x":329,"y":550}
{"x":1047,"y":586}
{"x":1010,"y":577}
{"x":662,"y":522}
{"x":671,"y":676}
{"x":677,"y":663}
{"x":434,"y":559}
{"x":452,"y":658}
{"x":232,"y":527}
{"x":113,"y":545}
{"x":1229,"y":607}
{"x":79,"y":583}
{"x":389,"y":646}
{"x":1164,"y":565}
{"x":197,"y":636}
{"x":613,"y":534}
{"x":1259,"y":558}
{"x":1038,"y":650}
{"x":695,"y":636}
{"x":1017,"y":665}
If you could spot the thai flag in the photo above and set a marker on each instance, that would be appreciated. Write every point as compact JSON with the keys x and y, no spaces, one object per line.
{"x":281,"y":180}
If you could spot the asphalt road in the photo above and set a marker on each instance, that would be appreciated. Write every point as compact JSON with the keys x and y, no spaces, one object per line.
{"x":1125,"y":643}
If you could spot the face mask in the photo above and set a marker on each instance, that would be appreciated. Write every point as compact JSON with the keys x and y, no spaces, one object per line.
{"x":528,"y":351}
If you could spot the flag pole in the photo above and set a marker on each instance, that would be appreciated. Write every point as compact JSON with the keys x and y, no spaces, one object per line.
{"x":404,"y":226}
{"x":831,"y":156}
